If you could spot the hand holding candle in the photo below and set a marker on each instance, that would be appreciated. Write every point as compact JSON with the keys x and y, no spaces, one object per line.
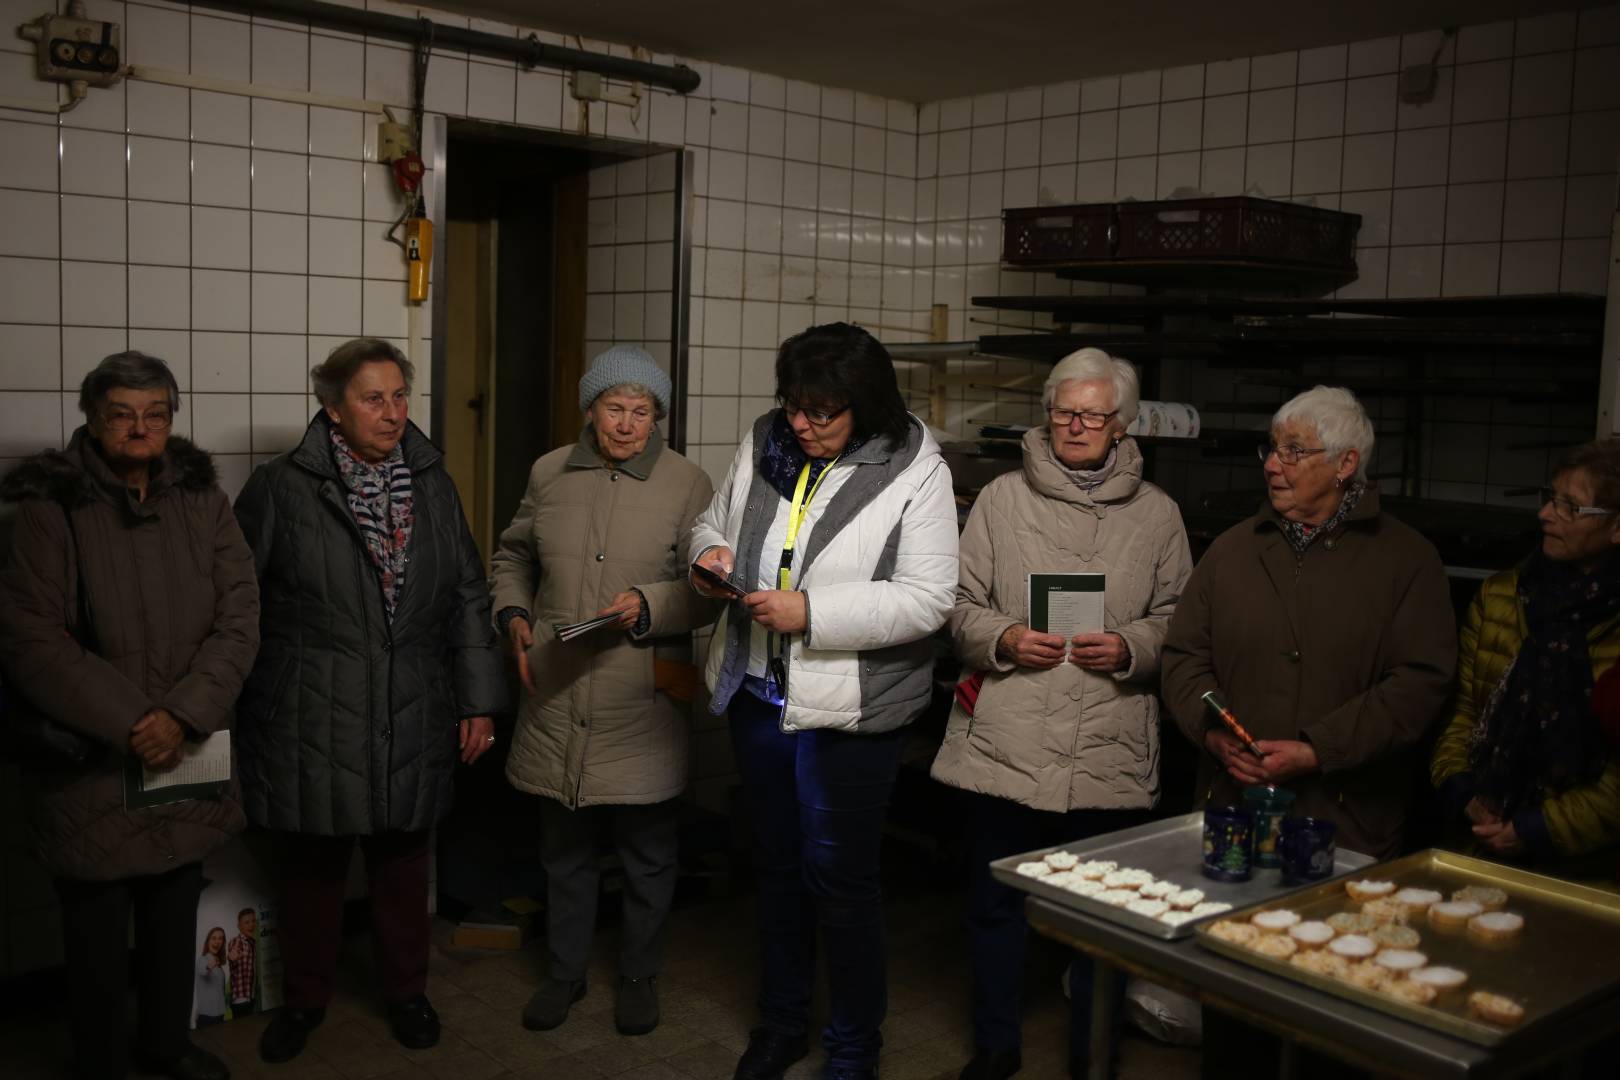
{"x":1218,"y":707}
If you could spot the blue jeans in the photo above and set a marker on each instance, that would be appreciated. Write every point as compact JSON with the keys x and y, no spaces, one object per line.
{"x":997,"y":932}
{"x":817,"y":799}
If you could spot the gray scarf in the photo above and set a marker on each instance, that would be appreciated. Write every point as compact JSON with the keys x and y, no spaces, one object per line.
{"x":1088,"y":480}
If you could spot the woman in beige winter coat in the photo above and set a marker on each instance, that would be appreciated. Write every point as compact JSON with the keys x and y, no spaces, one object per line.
{"x":601,"y":530}
{"x":1063,"y":740}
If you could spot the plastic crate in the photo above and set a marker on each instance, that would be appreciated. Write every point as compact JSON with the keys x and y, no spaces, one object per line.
{"x":1240,"y":228}
{"x":1041,"y":235}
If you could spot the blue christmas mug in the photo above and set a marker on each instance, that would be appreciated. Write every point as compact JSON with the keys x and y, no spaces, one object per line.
{"x":1228,"y":843}
{"x":1306,"y":849}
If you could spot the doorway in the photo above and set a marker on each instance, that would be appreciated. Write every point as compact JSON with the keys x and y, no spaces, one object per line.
{"x":530,"y":221}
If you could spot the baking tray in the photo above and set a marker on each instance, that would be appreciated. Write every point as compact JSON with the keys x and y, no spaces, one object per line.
{"x":1565,"y":956}
{"x":1172,"y":850}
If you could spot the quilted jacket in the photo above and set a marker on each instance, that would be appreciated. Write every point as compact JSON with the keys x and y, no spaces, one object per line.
{"x":1578,"y":821}
{"x":349,"y":724}
{"x":176,"y":616}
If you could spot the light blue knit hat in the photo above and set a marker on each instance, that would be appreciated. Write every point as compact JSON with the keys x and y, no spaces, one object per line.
{"x":624,"y":364}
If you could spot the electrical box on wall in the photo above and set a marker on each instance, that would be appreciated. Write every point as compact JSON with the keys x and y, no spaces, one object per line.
{"x":72,"y":49}
{"x":394,"y":141}
{"x":586,"y":85}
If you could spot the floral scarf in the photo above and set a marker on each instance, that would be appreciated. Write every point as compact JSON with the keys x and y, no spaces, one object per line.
{"x":1301,"y":535}
{"x":380,"y":499}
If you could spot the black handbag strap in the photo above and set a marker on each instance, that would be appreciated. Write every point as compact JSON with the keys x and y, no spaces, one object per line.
{"x":84,"y":628}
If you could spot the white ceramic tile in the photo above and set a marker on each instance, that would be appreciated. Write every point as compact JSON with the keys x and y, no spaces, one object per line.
{"x":1271,"y":116}
{"x":1530,"y":267}
{"x":985,"y":195}
{"x":1370,"y":104}
{"x":281,"y":182}
{"x":1058,"y":99}
{"x":221,"y":423}
{"x":1374,"y":208}
{"x":1100,"y":93}
{"x":987,"y":148}
{"x":837,"y":143}
{"x":1589,"y":206}
{"x":157,"y":37}
{"x":1471,"y":269}
{"x":334,"y":306}
{"x":159,"y":169}
{"x":1597,"y":78}
{"x":1538,"y":146}
{"x":173,"y":347}
{"x":84,"y":347}
{"x":32,"y":225}
{"x":1483,"y":91}
{"x":726,"y":224}
{"x":1055,"y":185}
{"x":1534,"y":209}
{"x":1099,"y":135}
{"x":281,"y":243}
{"x":1277,"y":69}
{"x":221,"y":239}
{"x":837,"y":103}
{"x":1136,"y":178}
{"x":869,"y":148}
{"x":1421,"y":156}
{"x":1479,"y":151}
{"x":1319,"y":110}
{"x":1594,"y":141}
{"x":1324,"y":64}
{"x":280,"y":57}
{"x":221,"y":118}
{"x":279,"y":419}
{"x":1418,"y":216}
{"x":336,"y":133}
{"x":1474,"y":213}
{"x":30,"y":358}
{"x":1139,"y":88}
{"x":1542,"y":84}
{"x":1177,"y":175}
{"x":280,"y":125}
{"x":92,"y":163}
{"x":1433,"y":112}
{"x":93,"y":228}
{"x":160,"y":296}
{"x":1023,"y":144}
{"x":802,"y":140}
{"x":989,"y":109}
{"x":220,"y":47}
{"x":447,"y":86}
{"x":1317,"y":165}
{"x":798,"y":232}
{"x":768,"y":90}
{"x":832,"y":237}
{"x":1415,"y":271}
{"x":1585,"y":267}
{"x":1489,"y":41}
{"x":803,"y":97}
{"x":1221,"y":171}
{"x":729,"y":83}
{"x":900,"y":154}
{"x":220,"y":175}
{"x":337,"y":66}
{"x":280,"y":303}
{"x":866,"y":197}
{"x":1059,"y":139}
{"x":799,"y":184}
{"x":491,"y":91}
{"x":335,"y":188}
{"x":1024,"y":104}
{"x":728,"y":125}
{"x":1545,"y":33}
{"x":1226,"y":77}
{"x":154,"y":109}
{"x":220,"y":300}
{"x":1599,"y":25}
{"x":1270,"y":169}
{"x":1226,"y":121}
{"x":37,"y":426}
{"x":955,"y":152}
{"x":1375,"y":57}
{"x":387,"y":73}
{"x":30,"y":160}
{"x":540,"y":96}
{"x":94,"y":294}
{"x":1181,"y":126}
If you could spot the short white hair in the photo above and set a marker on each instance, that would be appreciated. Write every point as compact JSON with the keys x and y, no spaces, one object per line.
{"x":1093,"y":365}
{"x":1338,"y":418}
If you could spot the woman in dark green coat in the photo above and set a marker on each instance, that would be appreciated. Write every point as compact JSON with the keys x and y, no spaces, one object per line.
{"x":379,"y":668}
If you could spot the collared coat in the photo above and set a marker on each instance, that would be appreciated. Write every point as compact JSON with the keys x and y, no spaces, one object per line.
{"x":598,"y":728}
{"x":349,"y":724}
{"x":1067,"y":738}
{"x":176,"y":617}
{"x":1350,"y":646}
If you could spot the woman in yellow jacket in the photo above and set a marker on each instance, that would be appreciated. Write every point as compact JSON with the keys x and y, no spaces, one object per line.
{"x":1524,"y":762}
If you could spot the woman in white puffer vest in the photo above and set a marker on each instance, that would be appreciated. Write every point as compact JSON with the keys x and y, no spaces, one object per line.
{"x":838,"y":523}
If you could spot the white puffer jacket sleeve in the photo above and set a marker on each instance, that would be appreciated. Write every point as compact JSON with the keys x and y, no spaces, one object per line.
{"x":713,"y":526}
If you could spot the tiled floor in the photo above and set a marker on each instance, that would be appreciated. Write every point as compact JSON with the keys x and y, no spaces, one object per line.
{"x":707,"y":1003}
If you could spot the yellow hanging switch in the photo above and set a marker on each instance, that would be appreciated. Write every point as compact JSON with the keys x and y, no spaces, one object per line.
{"x":418,"y":256}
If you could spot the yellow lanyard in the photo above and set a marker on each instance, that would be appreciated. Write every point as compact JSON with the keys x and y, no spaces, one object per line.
{"x":796,"y":515}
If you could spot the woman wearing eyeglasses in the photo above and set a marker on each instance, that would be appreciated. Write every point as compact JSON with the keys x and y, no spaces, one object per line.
{"x":1326,"y":625}
{"x":1062,"y":741}
{"x":129,"y":615}
{"x":838,"y":523}
{"x":601,"y":531}
{"x":1524,"y":764}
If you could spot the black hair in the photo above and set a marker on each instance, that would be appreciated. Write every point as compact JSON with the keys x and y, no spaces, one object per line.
{"x":837,"y":364}
{"x":131,"y":370}
{"x":331,"y":376}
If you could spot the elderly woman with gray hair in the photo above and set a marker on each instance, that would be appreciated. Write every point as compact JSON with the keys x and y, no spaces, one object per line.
{"x":1056,"y":738}
{"x":379,"y":671}
{"x":1326,"y":626}
{"x":601,"y":737}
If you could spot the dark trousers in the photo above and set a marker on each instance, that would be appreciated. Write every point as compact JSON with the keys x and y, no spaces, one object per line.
{"x":644,"y":839}
{"x":817,"y":799}
{"x":314,"y":870}
{"x":997,"y":932}
{"x":95,"y":936}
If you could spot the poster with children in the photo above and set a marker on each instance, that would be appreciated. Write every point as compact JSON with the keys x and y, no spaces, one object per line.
{"x":238,"y":962}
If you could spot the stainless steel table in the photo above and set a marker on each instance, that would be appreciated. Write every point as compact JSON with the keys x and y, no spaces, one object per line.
{"x":1302,"y":1016}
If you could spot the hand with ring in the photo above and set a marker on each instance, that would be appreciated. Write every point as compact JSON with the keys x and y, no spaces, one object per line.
{"x":477,"y":736}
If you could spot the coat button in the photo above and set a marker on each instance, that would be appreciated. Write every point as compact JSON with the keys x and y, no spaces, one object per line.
{"x":1293,"y":654}
{"x":1331,"y":542}
{"x":600,"y":556}
{"x":582,"y":722}
{"x":387,"y":646}
{"x":388,"y":733}
{"x":613,"y":476}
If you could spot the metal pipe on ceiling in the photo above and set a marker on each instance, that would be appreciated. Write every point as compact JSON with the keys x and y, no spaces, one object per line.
{"x":529,"y":51}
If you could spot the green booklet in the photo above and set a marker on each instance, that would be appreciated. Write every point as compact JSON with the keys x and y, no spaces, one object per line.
{"x":1066,"y":604}
{"x":203,"y":773}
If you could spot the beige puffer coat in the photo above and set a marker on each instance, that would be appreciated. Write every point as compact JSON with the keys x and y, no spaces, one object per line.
{"x":596,"y":731}
{"x":1067,"y":738}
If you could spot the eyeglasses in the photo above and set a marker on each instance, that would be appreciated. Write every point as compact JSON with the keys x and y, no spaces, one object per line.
{"x":1567,"y":509}
{"x":816,"y":417}
{"x":1092,"y":421}
{"x":1288,"y":454}
{"x":122,"y":420}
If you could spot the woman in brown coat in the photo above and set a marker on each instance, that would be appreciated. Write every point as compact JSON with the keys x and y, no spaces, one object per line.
{"x":601,"y":530}
{"x":135,"y":518}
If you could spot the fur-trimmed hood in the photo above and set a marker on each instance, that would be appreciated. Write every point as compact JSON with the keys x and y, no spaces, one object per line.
{"x":71,"y":475}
